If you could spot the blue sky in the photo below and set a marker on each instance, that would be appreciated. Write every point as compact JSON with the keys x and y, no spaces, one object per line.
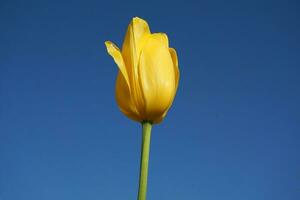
{"x":233,"y":130}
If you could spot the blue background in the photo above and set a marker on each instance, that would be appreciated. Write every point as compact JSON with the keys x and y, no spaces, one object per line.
{"x":233,"y":130}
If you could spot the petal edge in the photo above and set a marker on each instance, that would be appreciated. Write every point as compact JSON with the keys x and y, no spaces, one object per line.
{"x":115,"y":53}
{"x":175,"y":62}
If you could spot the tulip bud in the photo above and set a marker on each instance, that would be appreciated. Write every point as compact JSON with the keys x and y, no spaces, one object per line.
{"x":148,"y":73}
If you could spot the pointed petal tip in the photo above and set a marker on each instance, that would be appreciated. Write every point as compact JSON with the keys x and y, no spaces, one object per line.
{"x":110,"y":46}
{"x":107,"y":43}
{"x":139,"y":21}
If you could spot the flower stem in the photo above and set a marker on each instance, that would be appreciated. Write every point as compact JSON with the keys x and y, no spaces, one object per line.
{"x":144,"y":160}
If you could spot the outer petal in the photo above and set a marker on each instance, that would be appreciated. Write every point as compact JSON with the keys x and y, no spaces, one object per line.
{"x":114,"y":51}
{"x":123,"y":93}
{"x":137,"y":32}
{"x":177,"y":74}
{"x":156,"y":76}
{"x":175,"y":63}
{"x":124,"y":99}
{"x":162,"y":37}
{"x":134,"y":40}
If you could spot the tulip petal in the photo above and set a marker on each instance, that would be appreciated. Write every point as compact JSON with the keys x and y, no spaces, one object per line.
{"x":156,"y":76}
{"x":134,"y":40}
{"x":136,"y":36}
{"x":114,"y":51}
{"x":161,"y":37}
{"x":124,"y":98}
{"x":177,"y":74}
{"x":175,"y":63}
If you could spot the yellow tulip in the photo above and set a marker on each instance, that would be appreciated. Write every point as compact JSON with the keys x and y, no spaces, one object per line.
{"x":148,"y":73}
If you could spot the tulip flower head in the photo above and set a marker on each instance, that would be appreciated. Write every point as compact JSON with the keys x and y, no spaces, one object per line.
{"x":148,"y":73}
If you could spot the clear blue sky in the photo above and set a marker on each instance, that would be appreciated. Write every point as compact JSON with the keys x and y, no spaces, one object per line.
{"x":233,"y":132}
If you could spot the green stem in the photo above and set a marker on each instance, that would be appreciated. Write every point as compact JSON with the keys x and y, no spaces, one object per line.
{"x":144,"y":160}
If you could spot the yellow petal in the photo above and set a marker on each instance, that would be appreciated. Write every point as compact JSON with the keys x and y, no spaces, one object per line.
{"x":162,"y":37}
{"x":137,"y":33}
{"x":175,"y":63}
{"x":134,"y":40}
{"x":177,"y":74}
{"x":114,"y":51}
{"x":124,"y":99}
{"x":156,"y":76}
{"x":137,"y":30}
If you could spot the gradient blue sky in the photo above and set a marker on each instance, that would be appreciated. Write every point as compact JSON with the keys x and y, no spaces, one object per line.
{"x":232,"y":133}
